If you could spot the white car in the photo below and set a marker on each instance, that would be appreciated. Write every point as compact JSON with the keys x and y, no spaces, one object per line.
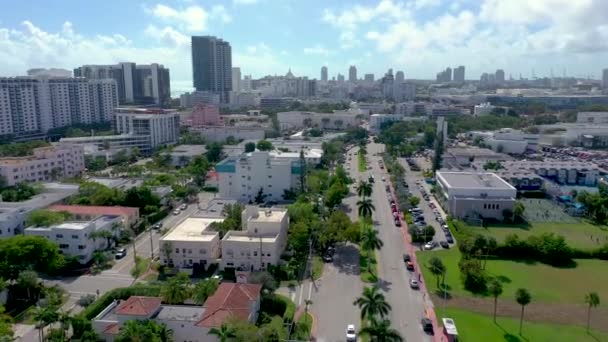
{"x":414,"y":284}
{"x":429,"y":245}
{"x":351,"y":333}
{"x":176,"y":211}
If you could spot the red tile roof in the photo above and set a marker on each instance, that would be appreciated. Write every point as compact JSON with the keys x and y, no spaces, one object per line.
{"x":95,"y":210}
{"x":138,"y":306}
{"x":112,"y":329}
{"x":229,"y":300}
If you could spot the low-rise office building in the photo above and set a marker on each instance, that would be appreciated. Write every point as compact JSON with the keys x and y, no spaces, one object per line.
{"x":260,"y":243}
{"x":191,"y":244}
{"x":75,"y":237}
{"x":45,"y":164}
{"x":565,"y":172}
{"x":222,"y":133}
{"x":296,"y":120}
{"x":243,"y":177}
{"x":182,"y":155}
{"x":474,"y":195}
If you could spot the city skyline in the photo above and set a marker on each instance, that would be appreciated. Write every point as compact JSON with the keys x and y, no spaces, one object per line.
{"x":419,"y":37}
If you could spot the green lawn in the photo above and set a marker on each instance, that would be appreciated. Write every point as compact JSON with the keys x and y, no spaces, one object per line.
{"x":577,"y":235}
{"x":474,"y":327}
{"x":545,"y":283}
{"x":368,"y":277}
{"x":361,"y":162}
{"x":317,"y":267}
{"x":303,"y":327}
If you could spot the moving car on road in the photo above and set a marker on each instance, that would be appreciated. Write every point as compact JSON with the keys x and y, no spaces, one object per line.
{"x":414,"y":284}
{"x":351,"y":333}
{"x":120,"y":253}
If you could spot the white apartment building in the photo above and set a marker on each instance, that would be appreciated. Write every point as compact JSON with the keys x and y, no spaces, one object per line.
{"x":161,"y":125}
{"x":31,"y":105}
{"x":242,"y":177}
{"x":191,"y":243}
{"x":474,"y":195}
{"x":483,"y":109}
{"x":109,"y":145}
{"x":221,"y":133}
{"x":592,"y":118}
{"x":74,"y":237}
{"x":295,"y":120}
{"x":376,"y":121}
{"x":260,"y":243}
{"x":46,"y":164}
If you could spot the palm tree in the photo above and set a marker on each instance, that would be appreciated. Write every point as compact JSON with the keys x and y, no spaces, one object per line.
{"x":164,"y":333}
{"x":204,"y":289}
{"x":364,"y":189}
{"x":437,"y":268}
{"x":370,"y":242}
{"x":495,"y":289}
{"x":176,"y":290}
{"x":592,"y":299}
{"x":144,"y":331}
{"x":45,"y":316}
{"x":29,"y":281}
{"x":366,"y":207}
{"x":381,"y":331}
{"x":523,"y":298}
{"x":372,"y":303}
{"x":224,"y":333}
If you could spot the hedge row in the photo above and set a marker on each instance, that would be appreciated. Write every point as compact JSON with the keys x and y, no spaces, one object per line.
{"x":119,"y":294}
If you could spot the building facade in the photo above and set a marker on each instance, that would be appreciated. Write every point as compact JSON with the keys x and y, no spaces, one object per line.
{"x":46,"y":164}
{"x":324,"y":74}
{"x":475,"y":195}
{"x":160,"y":125}
{"x":261,"y":241}
{"x":137,"y":84}
{"x":335,"y":121}
{"x":191,"y":244}
{"x":74,"y":237}
{"x":212,"y":66}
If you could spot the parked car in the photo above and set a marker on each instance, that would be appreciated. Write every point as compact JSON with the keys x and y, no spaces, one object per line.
{"x":176,"y":211}
{"x":397,"y":222}
{"x":406,"y":257}
{"x":157,"y":226}
{"x":409,"y":265}
{"x":120,"y":253}
{"x":414,"y":284}
{"x":444,"y":244}
{"x":328,"y":257}
{"x":184,"y":206}
{"x":351,"y":333}
{"x":427,"y":325}
{"x":449,"y":238}
{"x":430,"y":245}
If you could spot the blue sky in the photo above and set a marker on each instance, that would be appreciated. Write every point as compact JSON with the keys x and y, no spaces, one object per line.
{"x":419,"y":37}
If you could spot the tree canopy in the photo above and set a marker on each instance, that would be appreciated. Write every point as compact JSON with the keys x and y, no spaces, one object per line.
{"x":24,"y":252}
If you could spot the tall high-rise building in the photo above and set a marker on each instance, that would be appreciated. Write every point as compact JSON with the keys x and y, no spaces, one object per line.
{"x":137,"y":84}
{"x":212,"y":65}
{"x":605,"y":79}
{"x":340,"y":78}
{"x":236,"y":79}
{"x":499,"y":76}
{"x":33,"y":105}
{"x":445,"y":75}
{"x":352,"y":74}
{"x":459,"y":74}
{"x":324,"y":73}
{"x":399,"y":77}
{"x":369,"y":78}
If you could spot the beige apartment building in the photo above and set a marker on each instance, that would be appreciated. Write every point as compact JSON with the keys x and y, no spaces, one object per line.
{"x":46,"y":164}
{"x":191,"y":243}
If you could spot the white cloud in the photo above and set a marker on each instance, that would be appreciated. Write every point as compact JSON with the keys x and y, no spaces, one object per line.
{"x":316,"y":50}
{"x":167,"y":35}
{"x":193,"y":18}
{"x":420,"y":4}
{"x":244,"y":2}
{"x":219,"y":11}
{"x":258,"y":59}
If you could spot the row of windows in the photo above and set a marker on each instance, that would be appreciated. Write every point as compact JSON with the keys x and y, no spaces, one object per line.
{"x":60,"y":236}
{"x":66,"y":246}
{"x":189,"y":251}
{"x":491,"y":206}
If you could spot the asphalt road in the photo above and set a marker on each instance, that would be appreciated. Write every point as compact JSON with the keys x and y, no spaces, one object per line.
{"x":408,"y":305}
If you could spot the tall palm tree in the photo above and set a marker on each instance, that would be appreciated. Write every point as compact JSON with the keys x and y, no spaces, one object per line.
{"x":437,"y":268}
{"x":176,"y":290}
{"x":523,"y":298}
{"x":164,"y":333}
{"x":495,"y":289}
{"x":364,"y":189}
{"x":372,"y":303}
{"x":144,"y":331}
{"x":203,"y":289}
{"x":592,"y":299}
{"x":381,"y":331}
{"x":365,"y":207}
{"x":224,"y":333}
{"x":370,"y":242}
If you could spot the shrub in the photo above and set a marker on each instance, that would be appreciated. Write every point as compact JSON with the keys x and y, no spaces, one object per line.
{"x":422,"y":235}
{"x":290,"y":307}
{"x":119,"y":294}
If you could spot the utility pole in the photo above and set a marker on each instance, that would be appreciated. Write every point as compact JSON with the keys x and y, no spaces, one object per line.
{"x":151,"y":245}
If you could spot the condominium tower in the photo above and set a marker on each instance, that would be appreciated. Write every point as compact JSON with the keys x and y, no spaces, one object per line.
{"x":212,"y":65}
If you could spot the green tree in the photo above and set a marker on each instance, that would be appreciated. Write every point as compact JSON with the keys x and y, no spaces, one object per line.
{"x":46,"y":218}
{"x":370,"y":242}
{"x":259,"y":198}
{"x":36,"y":253}
{"x":372,"y":303}
{"x":214,"y":152}
{"x":28,"y":280}
{"x":438,"y":155}
{"x":249,"y":147}
{"x":518,"y":210}
{"x":495,"y":290}
{"x":414,"y":201}
{"x":203,"y":289}
{"x":6,"y":331}
{"x":592,"y":299}
{"x":335,"y":194}
{"x":223,"y":333}
{"x":176,"y":290}
{"x":437,"y":268}
{"x":144,"y":331}
{"x":264,"y":145}
{"x":365,"y":207}
{"x":45,"y":315}
{"x":381,"y":331}
{"x":523,"y":298}
{"x":364,"y":189}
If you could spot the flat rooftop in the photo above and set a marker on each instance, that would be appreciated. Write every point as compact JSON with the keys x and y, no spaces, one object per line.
{"x":187,"y":313}
{"x":188,"y":150}
{"x":238,"y":236}
{"x":473,"y":180}
{"x":193,"y":229}
{"x":268,"y":215}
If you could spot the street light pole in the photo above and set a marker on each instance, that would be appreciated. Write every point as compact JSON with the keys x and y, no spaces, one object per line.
{"x":151,"y":245}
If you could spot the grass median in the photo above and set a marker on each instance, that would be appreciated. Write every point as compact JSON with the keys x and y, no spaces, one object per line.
{"x":368,"y":275}
{"x":361,"y":161}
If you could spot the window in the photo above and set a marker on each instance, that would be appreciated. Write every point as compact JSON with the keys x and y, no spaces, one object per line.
{"x":64,"y":246}
{"x":203,"y":251}
{"x":189,"y":251}
{"x":177,"y":250}
{"x":81,"y":246}
{"x":255,"y":253}
{"x":74,"y":236}
{"x":268,"y":254}
{"x":59,"y":236}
